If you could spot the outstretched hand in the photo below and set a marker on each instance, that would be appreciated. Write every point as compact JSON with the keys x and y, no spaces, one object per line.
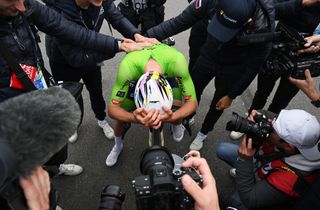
{"x":312,"y":44}
{"x":308,"y":85}
{"x":140,"y":38}
{"x":206,"y":197}
{"x":129,"y":45}
{"x":223,"y":103}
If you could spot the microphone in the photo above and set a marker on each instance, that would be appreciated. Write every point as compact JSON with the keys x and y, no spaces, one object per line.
{"x":35,"y":126}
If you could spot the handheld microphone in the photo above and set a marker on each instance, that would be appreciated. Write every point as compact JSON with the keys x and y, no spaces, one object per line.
{"x":35,"y":126}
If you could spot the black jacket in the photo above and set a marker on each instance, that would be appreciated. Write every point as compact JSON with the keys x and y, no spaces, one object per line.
{"x":247,"y":59}
{"x":292,"y":13}
{"x":65,"y":54}
{"x":15,"y":35}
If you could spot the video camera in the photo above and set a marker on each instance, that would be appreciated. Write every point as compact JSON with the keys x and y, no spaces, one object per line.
{"x":284,"y":59}
{"x":258,"y":130}
{"x":160,"y":187}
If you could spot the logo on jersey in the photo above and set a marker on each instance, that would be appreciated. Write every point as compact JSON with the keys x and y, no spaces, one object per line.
{"x":121,"y":94}
{"x":116,"y":102}
{"x":187,"y":97}
{"x":266,"y":168}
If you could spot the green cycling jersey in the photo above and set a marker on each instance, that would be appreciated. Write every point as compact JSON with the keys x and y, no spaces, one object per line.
{"x":173,"y":65}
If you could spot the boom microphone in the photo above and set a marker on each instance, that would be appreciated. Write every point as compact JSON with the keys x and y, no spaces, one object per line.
{"x":35,"y":126}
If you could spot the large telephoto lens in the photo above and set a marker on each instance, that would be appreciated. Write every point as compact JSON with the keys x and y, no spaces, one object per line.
{"x":239,"y":124}
{"x":153,"y":158}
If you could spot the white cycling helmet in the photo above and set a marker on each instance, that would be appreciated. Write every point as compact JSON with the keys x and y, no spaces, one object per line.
{"x":153,"y":91}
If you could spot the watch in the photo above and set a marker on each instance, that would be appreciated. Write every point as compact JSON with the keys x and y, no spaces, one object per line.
{"x":119,"y":41}
{"x":316,"y":103}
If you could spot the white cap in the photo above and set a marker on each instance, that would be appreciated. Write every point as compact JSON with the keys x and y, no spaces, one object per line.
{"x":301,"y":129}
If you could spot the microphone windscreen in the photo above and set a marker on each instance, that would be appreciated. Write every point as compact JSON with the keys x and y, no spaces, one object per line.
{"x":37,"y":125}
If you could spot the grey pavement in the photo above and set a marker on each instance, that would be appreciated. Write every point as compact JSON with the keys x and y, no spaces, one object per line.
{"x":83,"y":192}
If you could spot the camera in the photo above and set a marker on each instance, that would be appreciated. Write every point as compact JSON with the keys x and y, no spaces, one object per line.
{"x":284,"y":59}
{"x":258,"y":130}
{"x":160,"y":187}
{"x":111,"y":198}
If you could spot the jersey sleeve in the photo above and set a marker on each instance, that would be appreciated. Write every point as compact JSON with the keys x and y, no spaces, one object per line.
{"x":121,"y":86}
{"x":181,"y":72}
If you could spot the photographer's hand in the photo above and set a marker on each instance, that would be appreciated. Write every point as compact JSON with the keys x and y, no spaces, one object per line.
{"x":246,"y":152}
{"x":223,"y":103}
{"x":36,"y":189}
{"x":206,"y":198}
{"x":312,"y":44}
{"x":253,"y":114}
{"x":307,"y":86}
{"x":308,"y":3}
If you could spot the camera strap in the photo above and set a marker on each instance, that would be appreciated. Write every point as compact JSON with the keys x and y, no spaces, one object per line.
{"x":16,"y":68}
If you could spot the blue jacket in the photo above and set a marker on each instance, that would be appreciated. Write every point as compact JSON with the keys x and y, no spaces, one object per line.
{"x":62,"y":53}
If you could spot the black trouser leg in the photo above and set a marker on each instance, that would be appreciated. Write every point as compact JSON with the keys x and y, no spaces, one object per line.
{"x":265,"y":85}
{"x":285,"y":92}
{"x":198,"y":36}
{"x":223,"y":83}
{"x":52,"y":165}
{"x":93,"y":81}
{"x":201,"y":74}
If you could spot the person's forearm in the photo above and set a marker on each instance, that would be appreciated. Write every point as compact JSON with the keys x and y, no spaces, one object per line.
{"x":185,"y":110}
{"x":53,"y":23}
{"x":119,"y":22}
{"x":118,"y":113}
{"x":193,"y":13}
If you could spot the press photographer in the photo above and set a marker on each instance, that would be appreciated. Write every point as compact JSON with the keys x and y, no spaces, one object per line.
{"x":34,"y":126}
{"x":282,"y":169}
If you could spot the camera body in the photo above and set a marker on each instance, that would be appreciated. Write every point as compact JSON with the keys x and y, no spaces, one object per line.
{"x":160,"y":185}
{"x":258,"y":130}
{"x":284,"y":59}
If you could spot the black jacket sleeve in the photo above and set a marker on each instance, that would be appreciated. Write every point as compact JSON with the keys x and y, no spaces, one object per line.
{"x":54,"y":24}
{"x":258,"y":54}
{"x":77,"y":56}
{"x":255,"y":194}
{"x":182,"y":22}
{"x":118,"y":21}
{"x":287,"y":8}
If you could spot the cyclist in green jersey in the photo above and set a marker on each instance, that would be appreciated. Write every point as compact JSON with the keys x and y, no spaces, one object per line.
{"x":173,"y":66}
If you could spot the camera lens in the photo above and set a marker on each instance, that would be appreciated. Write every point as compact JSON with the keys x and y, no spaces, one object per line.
{"x":111,"y":198}
{"x":153,"y":158}
{"x":239,"y":124}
